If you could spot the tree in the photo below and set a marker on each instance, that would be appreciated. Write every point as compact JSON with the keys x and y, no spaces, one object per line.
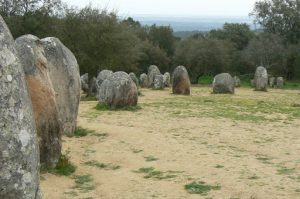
{"x":267,"y":50}
{"x":280,"y":17}
{"x":239,"y":34}
{"x":206,"y":56}
{"x":163,"y":37}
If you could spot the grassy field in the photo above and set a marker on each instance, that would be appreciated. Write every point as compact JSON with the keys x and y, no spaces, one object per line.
{"x":242,"y":146}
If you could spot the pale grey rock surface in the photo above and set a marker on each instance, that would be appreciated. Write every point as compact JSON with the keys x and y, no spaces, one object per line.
{"x":64,"y":74}
{"x":261,"y":79}
{"x":144,"y":80}
{"x":152,"y":72}
{"x":223,"y":83}
{"x":167,"y":79}
{"x":158,"y":82}
{"x":19,"y":152}
{"x":118,"y":91}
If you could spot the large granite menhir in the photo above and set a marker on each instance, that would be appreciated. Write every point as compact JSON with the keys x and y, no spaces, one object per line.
{"x":64,"y":74}
{"x":19,"y":152}
{"x":34,"y":62}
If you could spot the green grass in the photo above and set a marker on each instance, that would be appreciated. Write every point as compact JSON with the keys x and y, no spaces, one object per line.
{"x":200,"y":188}
{"x":264,"y":158}
{"x":285,"y":171}
{"x":105,"y":107}
{"x":100,"y":135}
{"x":150,"y":158}
{"x":64,"y":167}
{"x":151,"y":172}
{"x":94,"y":163}
{"x":231,"y":107}
{"x":205,"y":80}
{"x":88,"y":98}
{"x":82,"y":132}
{"x":219,"y":166}
{"x":83,"y":183}
{"x":292,"y":85}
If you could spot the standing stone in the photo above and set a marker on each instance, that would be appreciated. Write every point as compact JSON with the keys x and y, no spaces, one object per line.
{"x":144,"y":80}
{"x":223,"y":83}
{"x":181,"y":81}
{"x":237,"y":81}
{"x":152,"y":72}
{"x":167,"y":79}
{"x":93,"y":86}
{"x":19,"y":151}
{"x":159,"y":82}
{"x":65,"y":77}
{"x":261,"y":79}
{"x":134,"y":79}
{"x":118,"y":91}
{"x":84,"y":79}
{"x":272,"y":82}
{"x":280,"y":82}
{"x":32,"y":57}
{"x":103,"y":75}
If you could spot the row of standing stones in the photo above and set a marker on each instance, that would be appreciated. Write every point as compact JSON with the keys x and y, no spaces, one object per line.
{"x":120,"y":89}
{"x":39,"y":100}
{"x":225,"y":83}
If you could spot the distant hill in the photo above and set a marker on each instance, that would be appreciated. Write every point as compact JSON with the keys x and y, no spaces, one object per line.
{"x":201,"y":24}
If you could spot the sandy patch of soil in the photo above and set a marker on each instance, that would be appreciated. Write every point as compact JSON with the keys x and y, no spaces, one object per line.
{"x":246,"y":158}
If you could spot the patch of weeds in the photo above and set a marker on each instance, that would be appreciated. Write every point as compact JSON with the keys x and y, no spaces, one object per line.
{"x":64,"y":167}
{"x":285,"y":171}
{"x":137,"y":151}
{"x":200,"y":188}
{"x":219,"y":166}
{"x":159,"y":175}
{"x":94,"y":163}
{"x":88,"y":98}
{"x":100,"y":135}
{"x":254,"y":177}
{"x":106,"y":107}
{"x":150,"y":158}
{"x":71,"y":193}
{"x":81,"y":132}
{"x":83,"y":183}
{"x":264,"y":158}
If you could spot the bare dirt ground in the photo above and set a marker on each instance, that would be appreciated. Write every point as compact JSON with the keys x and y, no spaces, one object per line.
{"x":245,"y":146}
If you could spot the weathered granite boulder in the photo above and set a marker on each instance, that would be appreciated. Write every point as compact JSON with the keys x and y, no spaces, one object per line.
{"x":280,"y":82}
{"x":152,"y":72}
{"x":181,"y":81}
{"x":93,"y":86}
{"x":19,"y":151}
{"x":144,"y":80}
{"x":64,"y":74}
{"x":237,"y":81}
{"x":272,"y":82}
{"x":167,"y":79}
{"x":118,"y":91}
{"x":103,"y":75}
{"x":84,"y":79}
{"x":134,"y":79}
{"x":159,"y":82}
{"x":261,"y":79}
{"x":223,"y":83}
{"x":43,"y":100}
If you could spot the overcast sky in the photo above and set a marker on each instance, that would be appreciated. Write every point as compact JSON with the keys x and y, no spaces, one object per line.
{"x":172,"y":7}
